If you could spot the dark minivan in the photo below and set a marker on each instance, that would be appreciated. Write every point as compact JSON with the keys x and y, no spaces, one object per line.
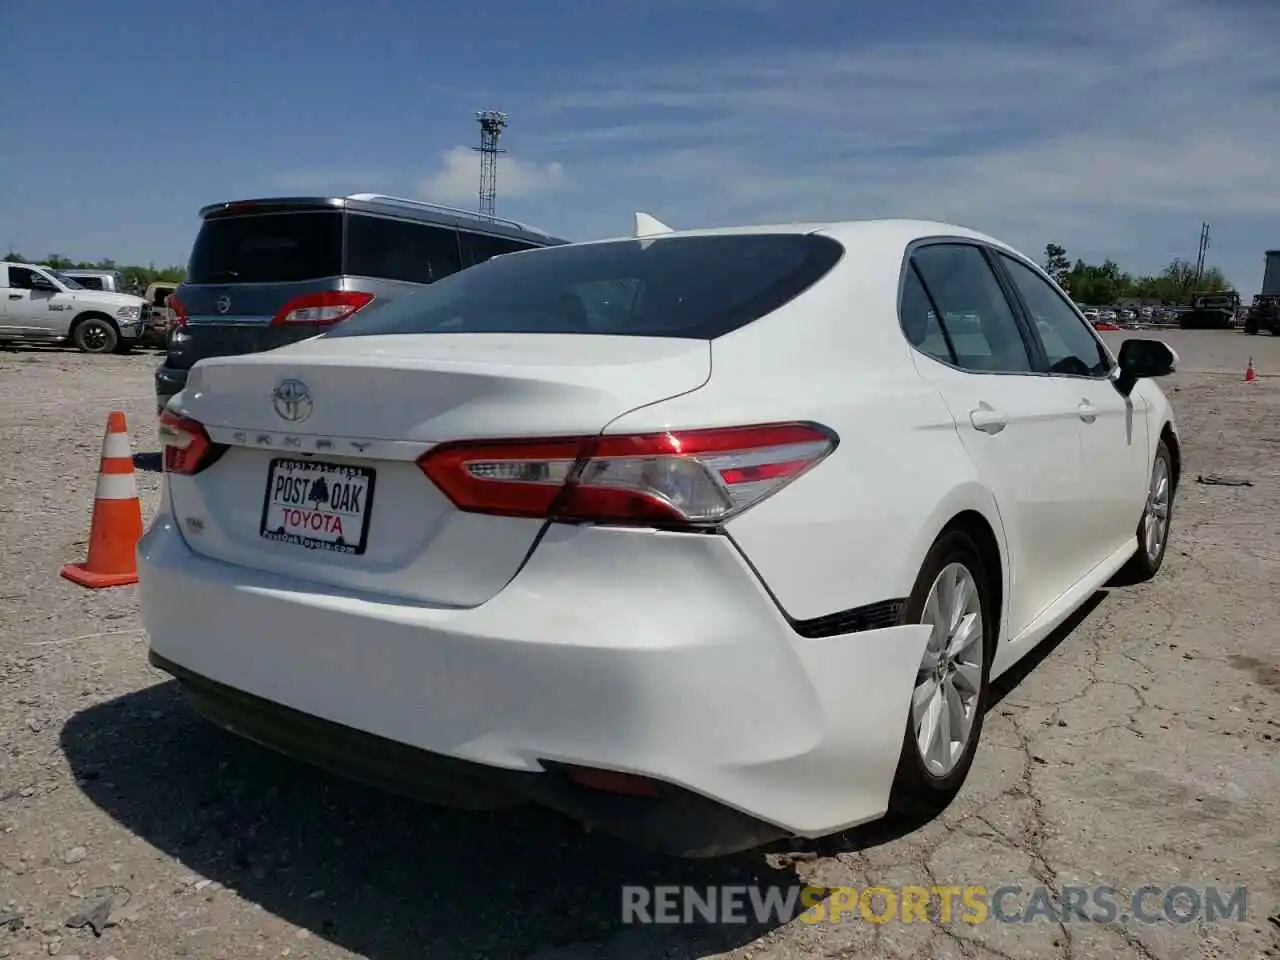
{"x":268,"y":272}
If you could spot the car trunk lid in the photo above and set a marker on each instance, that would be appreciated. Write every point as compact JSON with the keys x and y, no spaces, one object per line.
{"x":358,"y":412}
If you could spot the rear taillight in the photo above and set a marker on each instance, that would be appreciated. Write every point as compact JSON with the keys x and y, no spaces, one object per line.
{"x":322,"y":309}
{"x":679,"y":478}
{"x":179,"y":311}
{"x":186,"y":444}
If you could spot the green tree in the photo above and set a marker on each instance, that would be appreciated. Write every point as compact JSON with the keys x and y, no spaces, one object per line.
{"x":1056,"y":264}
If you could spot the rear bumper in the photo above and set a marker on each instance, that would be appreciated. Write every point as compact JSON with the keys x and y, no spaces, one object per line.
{"x":679,"y":823}
{"x":632,"y":651}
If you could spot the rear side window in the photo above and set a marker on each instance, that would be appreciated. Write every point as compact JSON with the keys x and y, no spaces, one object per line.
{"x":268,"y":248}
{"x":400,"y":249}
{"x":689,"y":287}
{"x":483,"y":247}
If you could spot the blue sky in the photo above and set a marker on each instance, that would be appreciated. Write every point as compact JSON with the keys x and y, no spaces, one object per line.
{"x":1112,"y":128}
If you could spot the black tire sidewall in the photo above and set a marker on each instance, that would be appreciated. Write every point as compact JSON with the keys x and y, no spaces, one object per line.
{"x":915,"y":788}
{"x":113,"y":337}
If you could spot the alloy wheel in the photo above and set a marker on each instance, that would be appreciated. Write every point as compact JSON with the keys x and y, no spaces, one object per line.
{"x":948,"y":688}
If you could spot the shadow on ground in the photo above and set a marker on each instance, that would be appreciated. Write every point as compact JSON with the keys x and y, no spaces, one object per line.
{"x":385,"y":877}
{"x":149,"y":462}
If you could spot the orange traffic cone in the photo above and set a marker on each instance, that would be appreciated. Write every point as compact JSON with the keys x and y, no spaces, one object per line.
{"x":1249,"y":375}
{"x":117,"y":516}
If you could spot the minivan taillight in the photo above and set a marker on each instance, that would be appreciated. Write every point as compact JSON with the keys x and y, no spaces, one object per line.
{"x":690,"y":478}
{"x":322,"y":309}
{"x":187,"y":446}
{"x":179,"y":311}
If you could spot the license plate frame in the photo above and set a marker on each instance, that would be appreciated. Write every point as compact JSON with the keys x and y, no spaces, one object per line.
{"x":278,"y":532}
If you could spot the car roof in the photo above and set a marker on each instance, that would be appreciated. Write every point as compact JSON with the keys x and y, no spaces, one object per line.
{"x":896,"y":232}
{"x":383,"y":205}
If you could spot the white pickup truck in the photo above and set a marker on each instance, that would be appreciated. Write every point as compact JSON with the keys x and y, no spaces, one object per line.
{"x":40,"y":305}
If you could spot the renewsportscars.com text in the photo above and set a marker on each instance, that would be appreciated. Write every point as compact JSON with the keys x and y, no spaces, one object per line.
{"x":969,"y":904}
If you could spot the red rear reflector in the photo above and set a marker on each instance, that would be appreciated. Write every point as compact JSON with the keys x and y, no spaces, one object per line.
{"x":322,"y":309}
{"x":682,"y":478}
{"x":186,"y":444}
{"x":606,"y":781}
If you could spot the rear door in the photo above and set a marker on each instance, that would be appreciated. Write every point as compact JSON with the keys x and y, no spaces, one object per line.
{"x":243,"y":269}
{"x":1016,"y":424}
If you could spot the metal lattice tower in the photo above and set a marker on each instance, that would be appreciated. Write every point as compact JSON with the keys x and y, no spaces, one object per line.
{"x":492,"y":123}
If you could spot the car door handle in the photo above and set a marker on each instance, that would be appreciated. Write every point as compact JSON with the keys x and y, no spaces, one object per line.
{"x":987,"y":419}
{"x":15,"y":296}
{"x":1088,"y":412}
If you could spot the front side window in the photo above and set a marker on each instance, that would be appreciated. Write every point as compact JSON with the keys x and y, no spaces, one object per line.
{"x":268,"y":248}
{"x":979,"y":323}
{"x":23,"y":278}
{"x":688,"y":287}
{"x":1070,"y":347}
{"x":400,"y":249}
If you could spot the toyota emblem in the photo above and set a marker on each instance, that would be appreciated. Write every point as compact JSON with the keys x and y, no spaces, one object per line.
{"x":224,"y":304}
{"x":291,"y":400}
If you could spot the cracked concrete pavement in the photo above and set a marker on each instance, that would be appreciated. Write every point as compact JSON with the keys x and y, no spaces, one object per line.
{"x":1139,"y":746}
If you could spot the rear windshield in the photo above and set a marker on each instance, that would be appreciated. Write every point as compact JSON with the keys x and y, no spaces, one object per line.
{"x":268,"y":248}
{"x":690,"y":287}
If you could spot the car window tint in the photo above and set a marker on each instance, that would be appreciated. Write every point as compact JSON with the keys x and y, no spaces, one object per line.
{"x":692,"y":287}
{"x":21,"y":278}
{"x":919,"y":322}
{"x":977,"y":317}
{"x":484,"y":247}
{"x":401,"y":250}
{"x":267,"y":248}
{"x":1068,"y":344}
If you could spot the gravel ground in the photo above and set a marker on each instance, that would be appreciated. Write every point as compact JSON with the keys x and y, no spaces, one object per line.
{"x":1139,"y":747}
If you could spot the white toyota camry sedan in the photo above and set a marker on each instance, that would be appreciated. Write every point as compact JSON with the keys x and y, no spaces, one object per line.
{"x":702,"y":538}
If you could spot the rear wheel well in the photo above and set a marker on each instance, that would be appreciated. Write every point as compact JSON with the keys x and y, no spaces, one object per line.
{"x":1175,"y":452}
{"x":975,"y":525}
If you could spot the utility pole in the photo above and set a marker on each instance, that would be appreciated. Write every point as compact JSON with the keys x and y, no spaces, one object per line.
{"x":492,"y":123}
{"x":1204,"y":247}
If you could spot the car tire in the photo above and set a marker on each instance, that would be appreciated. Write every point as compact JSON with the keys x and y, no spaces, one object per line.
{"x":924,"y":785}
{"x":95,"y":335}
{"x":1161,"y":488}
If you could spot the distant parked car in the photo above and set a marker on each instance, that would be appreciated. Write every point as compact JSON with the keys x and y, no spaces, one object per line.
{"x":38,"y":304}
{"x":264,"y":273}
{"x":108,"y":281}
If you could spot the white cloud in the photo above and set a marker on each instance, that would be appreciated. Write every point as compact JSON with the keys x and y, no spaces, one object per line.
{"x":458,"y":179}
{"x":1112,"y":129}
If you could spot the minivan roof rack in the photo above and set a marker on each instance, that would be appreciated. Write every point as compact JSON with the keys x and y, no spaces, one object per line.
{"x":427,"y":205}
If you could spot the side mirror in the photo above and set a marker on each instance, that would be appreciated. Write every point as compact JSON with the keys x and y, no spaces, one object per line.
{"x":40,"y":283}
{"x":1140,"y":359}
